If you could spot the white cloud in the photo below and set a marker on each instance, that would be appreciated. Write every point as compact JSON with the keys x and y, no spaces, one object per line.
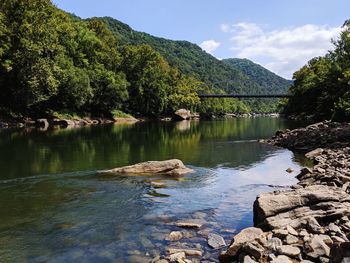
{"x":282,"y":51}
{"x":210,"y":46}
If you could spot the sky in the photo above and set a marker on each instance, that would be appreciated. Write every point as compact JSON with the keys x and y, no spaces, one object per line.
{"x":281,"y":35}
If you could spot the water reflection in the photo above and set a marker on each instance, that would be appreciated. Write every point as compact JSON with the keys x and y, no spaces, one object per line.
{"x":54,"y":208}
{"x":202,"y":143}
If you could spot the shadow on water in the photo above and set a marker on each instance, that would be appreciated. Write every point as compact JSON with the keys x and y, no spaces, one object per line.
{"x":54,"y":208}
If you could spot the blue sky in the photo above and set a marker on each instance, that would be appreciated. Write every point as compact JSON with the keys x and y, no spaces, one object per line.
{"x":281,"y":35}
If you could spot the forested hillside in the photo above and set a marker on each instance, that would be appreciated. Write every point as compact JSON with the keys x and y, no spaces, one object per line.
{"x":269,"y":81}
{"x":322,"y":87}
{"x":189,"y":58}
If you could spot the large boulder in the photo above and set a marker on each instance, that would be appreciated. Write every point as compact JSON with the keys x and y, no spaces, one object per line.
{"x":170,"y":167}
{"x":181,"y":115}
{"x":246,"y":235}
{"x":295,"y":207}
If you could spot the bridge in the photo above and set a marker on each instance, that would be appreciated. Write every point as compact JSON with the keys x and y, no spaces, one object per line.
{"x":247,"y":96}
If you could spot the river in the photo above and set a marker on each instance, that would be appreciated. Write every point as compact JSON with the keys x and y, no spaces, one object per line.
{"x":55,"y":208}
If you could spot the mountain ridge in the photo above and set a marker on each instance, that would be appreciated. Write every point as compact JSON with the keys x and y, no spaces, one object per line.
{"x":190,"y":59}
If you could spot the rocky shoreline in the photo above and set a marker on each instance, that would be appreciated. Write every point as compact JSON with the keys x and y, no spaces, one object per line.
{"x":310,"y":222}
{"x":180,"y":115}
{"x":46,"y":123}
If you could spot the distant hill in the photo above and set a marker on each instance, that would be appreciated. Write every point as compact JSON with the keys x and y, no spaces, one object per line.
{"x":190,"y":59}
{"x":231,"y":75}
{"x":269,"y":81}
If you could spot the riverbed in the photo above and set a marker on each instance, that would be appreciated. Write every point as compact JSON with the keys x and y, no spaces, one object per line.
{"x":55,"y":208}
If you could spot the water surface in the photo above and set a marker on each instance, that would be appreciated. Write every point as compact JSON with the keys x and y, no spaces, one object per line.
{"x":55,"y":208}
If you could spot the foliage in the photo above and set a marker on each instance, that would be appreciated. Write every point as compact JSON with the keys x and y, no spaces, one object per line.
{"x":51,"y":61}
{"x":231,"y":76}
{"x":120,"y":114}
{"x":321,"y":88}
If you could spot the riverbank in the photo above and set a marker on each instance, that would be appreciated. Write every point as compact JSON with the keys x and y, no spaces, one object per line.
{"x":50,"y":122}
{"x":45,"y":123}
{"x":310,"y":222}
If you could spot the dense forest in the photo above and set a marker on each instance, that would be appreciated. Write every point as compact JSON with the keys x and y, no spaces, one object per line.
{"x":322,"y":87}
{"x":54,"y":63}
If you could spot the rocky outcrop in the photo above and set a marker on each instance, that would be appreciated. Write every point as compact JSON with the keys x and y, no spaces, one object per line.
{"x":293,"y":208}
{"x":310,"y":222}
{"x":170,"y":167}
{"x":181,"y":115}
{"x":320,"y":135}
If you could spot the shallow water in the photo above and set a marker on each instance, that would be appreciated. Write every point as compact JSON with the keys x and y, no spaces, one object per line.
{"x":55,"y":208}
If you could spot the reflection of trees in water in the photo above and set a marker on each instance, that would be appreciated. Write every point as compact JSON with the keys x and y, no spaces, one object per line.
{"x":205,"y":143}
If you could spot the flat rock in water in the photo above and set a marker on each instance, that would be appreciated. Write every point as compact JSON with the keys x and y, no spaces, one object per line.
{"x":216,"y":241}
{"x":194,"y":223}
{"x":175,"y":257}
{"x":170,"y":167}
{"x":186,"y":251}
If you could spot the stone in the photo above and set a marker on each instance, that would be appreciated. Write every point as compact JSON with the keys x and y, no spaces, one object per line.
{"x":169,"y":167}
{"x":313,"y":226}
{"x":314,"y":153}
{"x":282,"y":259}
{"x":281,"y":233}
{"x":290,"y":239}
{"x":289,"y":170}
{"x":161,"y":261}
{"x":248,"y":259}
{"x":289,"y":251}
{"x":316,"y":247}
{"x":334,"y":228}
{"x":42,"y":123}
{"x":186,"y":251}
{"x":294,"y":207}
{"x":181,"y":115}
{"x":157,"y":184}
{"x":292,"y":231}
{"x":303,"y":233}
{"x":246,"y":235}
{"x":253,"y":249}
{"x":176,"y":256}
{"x":216,"y":241}
{"x":274,"y":243}
{"x":175,"y":236}
{"x":190,"y":223}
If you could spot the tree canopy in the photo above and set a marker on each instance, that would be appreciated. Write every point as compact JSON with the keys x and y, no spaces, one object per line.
{"x":51,"y":61}
{"x":322,"y":87}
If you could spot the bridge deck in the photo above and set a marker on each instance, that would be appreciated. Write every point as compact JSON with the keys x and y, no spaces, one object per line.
{"x":238,"y":96}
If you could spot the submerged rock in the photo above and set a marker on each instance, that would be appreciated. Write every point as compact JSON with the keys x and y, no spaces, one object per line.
{"x":216,"y":241}
{"x":190,"y":223}
{"x":169,"y":167}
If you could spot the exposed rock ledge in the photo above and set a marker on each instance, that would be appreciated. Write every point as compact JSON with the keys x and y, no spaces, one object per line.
{"x":169,"y":167}
{"x":309,"y":223}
